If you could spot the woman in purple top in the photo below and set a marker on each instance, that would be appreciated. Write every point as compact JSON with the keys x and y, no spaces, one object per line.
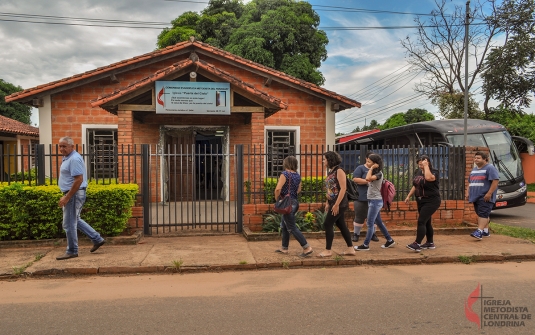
{"x":290,"y":183}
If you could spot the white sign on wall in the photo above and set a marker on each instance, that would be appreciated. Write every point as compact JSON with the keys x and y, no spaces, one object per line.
{"x":186,"y":97}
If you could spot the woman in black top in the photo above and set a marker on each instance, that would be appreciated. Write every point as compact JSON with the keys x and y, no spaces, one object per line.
{"x":425,"y":189}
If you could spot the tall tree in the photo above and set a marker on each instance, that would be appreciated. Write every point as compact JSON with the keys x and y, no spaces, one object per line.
{"x":413,"y":115}
{"x":451,"y":106}
{"x":13,"y":110}
{"x":509,"y":73}
{"x":281,"y":34}
{"x":438,"y":48}
{"x":418,"y":115}
{"x":518,"y":124}
{"x":395,"y":120}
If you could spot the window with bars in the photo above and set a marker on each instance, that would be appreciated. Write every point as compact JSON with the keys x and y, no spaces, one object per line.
{"x":279,"y":145}
{"x":102,"y":147}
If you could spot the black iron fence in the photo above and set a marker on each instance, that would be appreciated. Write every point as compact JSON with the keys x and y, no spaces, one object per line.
{"x":203,"y":187}
{"x":399,"y":167}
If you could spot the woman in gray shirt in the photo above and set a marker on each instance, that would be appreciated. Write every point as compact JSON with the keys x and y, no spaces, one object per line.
{"x":375,"y":202}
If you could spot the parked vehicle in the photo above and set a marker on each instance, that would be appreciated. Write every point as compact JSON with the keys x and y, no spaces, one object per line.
{"x":512,"y":190}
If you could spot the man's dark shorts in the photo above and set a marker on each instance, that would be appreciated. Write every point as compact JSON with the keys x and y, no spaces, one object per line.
{"x":483,"y":208}
{"x":361,"y":211}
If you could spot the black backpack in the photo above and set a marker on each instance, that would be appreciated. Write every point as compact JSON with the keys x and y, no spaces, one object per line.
{"x":351,"y":190}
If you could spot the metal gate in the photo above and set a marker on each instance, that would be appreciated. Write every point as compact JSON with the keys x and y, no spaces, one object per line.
{"x":188,"y":187}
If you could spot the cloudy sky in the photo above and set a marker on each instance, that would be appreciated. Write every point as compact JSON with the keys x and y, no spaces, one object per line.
{"x":368,"y":65}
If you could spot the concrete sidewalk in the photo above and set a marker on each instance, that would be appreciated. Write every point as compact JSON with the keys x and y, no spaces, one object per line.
{"x":234,"y":252}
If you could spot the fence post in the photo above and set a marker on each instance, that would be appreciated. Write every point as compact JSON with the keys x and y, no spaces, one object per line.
{"x":145,"y":158}
{"x":40,"y":163}
{"x":363,"y":152}
{"x":239,"y":186}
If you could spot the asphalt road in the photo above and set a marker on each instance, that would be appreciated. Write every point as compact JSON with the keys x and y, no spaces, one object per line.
{"x":423,"y":299}
{"x":522,"y":216}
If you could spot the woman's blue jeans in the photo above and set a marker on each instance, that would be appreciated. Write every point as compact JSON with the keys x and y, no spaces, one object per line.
{"x":374,"y":216}
{"x":72,"y":221}
{"x":288,"y":227}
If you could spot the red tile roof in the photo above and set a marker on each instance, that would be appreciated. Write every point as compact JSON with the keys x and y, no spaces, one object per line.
{"x":180,"y":47}
{"x":158,"y":75}
{"x":11,"y":126}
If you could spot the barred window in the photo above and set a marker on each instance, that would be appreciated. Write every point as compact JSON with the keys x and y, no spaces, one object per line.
{"x":102,"y":147}
{"x":279,"y":145}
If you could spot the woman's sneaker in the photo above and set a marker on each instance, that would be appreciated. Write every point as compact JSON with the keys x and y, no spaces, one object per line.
{"x":414,"y":246}
{"x":486,"y":234}
{"x":428,"y":245}
{"x":388,"y":244}
{"x":362,"y":247}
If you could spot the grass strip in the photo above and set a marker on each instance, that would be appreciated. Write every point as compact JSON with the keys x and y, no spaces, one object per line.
{"x":518,"y":232}
{"x":531,"y":187}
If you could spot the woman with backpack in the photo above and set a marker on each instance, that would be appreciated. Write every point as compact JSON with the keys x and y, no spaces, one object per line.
{"x":336,"y":204}
{"x":290,"y":183}
{"x":374,"y":177}
{"x":425,"y":189}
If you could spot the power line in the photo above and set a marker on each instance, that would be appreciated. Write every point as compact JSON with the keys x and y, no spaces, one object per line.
{"x":83,"y":25}
{"x":35,"y":16}
{"x":379,"y":80}
{"x":357,"y":110}
{"x":388,"y":107}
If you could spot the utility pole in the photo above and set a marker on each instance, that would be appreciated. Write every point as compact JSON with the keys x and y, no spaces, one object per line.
{"x":466,"y":28}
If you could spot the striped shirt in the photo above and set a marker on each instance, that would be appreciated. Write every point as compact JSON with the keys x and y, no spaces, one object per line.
{"x":479,"y":182}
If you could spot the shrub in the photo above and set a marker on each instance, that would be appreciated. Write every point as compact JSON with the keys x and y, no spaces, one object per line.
{"x":311,"y":190}
{"x":303,"y":220}
{"x":32,"y":212}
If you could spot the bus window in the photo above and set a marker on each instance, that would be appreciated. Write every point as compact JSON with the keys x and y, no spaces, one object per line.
{"x":472,"y":140}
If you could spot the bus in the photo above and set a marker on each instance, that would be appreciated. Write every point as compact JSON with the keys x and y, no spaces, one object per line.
{"x":503,"y":149}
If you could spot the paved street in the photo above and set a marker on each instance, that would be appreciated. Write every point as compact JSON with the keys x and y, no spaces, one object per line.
{"x":424,"y":299}
{"x":522,"y":216}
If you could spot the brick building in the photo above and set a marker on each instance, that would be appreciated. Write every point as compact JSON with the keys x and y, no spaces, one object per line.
{"x":119,"y":105}
{"x":16,"y":139}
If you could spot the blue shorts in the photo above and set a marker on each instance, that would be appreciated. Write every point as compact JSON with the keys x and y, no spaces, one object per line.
{"x":483,"y":208}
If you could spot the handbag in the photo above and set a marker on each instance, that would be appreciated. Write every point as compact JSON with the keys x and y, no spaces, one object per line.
{"x":284,"y":204}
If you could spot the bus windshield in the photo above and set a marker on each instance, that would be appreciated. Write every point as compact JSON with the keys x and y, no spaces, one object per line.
{"x":503,"y":153}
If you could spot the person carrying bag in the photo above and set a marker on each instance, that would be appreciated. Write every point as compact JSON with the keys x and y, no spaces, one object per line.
{"x":288,"y":186}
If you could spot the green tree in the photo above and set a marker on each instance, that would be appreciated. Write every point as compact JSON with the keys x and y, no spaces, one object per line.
{"x":438,"y":47}
{"x":373,"y":125}
{"x":281,"y":34}
{"x":509,"y":74}
{"x":413,"y":115}
{"x":516,"y":122}
{"x":418,"y":115}
{"x":451,"y":106}
{"x":394,"y":120}
{"x":13,"y":110}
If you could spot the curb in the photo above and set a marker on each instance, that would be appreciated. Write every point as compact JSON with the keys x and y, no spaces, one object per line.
{"x":306,"y":263}
{"x":115,"y":240}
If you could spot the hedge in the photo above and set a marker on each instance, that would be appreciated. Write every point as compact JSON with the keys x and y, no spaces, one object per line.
{"x":32,"y":212}
{"x":312,"y":190}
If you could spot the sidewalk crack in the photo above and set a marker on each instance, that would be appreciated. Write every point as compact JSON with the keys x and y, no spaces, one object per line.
{"x":148,"y":252}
